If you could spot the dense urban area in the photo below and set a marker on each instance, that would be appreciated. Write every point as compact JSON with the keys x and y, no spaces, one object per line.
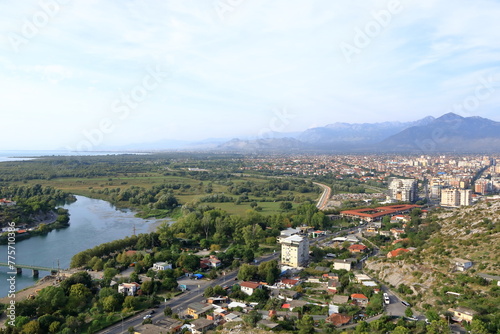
{"x":260,"y":243}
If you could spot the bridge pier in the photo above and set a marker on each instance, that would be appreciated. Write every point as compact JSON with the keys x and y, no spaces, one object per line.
{"x":19,"y":271}
{"x":35,"y":273}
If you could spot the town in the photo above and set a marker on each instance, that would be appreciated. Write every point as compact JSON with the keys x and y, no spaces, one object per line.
{"x":329,"y":266}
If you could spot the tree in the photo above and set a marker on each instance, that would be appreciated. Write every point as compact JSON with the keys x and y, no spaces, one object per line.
{"x":147,"y":287}
{"x":409,"y":312}
{"x":110,"y":304}
{"x":54,"y":327}
{"x":286,"y":206}
{"x":252,"y":318}
{"x":431,"y":315}
{"x":130,"y":302}
{"x":109,"y":273}
{"x":209,"y":292}
{"x":32,"y":327}
{"x":50,"y":299}
{"x":478,"y":327}
{"x":438,"y":327}
{"x":167,"y":311}
{"x":252,"y":234}
{"x":247,"y":272}
{"x":305,"y":325}
{"x":401,"y":330}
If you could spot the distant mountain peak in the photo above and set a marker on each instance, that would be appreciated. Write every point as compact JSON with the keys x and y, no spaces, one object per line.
{"x":449,"y":117}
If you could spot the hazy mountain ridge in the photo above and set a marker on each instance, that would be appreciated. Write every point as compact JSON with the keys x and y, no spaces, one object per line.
{"x":448,"y":133}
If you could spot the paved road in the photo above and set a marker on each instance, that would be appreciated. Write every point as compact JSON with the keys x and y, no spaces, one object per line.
{"x":180,"y":303}
{"x":325,"y":196}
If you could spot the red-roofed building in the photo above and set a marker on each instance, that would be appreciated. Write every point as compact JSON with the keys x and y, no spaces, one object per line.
{"x":289,"y":283}
{"x":356,"y":248}
{"x":338,"y":319}
{"x":397,"y":252}
{"x":400,"y":240}
{"x":130,"y":253}
{"x":285,"y":306}
{"x":360,"y":299}
{"x":249,"y":287}
{"x":370,"y":214}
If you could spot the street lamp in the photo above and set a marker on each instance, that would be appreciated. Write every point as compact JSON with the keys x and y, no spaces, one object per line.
{"x":122,"y":321}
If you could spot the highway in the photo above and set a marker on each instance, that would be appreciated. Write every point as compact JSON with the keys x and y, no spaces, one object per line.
{"x":325,"y":196}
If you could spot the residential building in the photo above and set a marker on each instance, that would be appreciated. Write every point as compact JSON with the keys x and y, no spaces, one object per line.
{"x":338,"y":319}
{"x":196,"y":310}
{"x":397,"y":252}
{"x":461,"y":264}
{"x":343,"y":264}
{"x":333,"y":286}
{"x":288,"y":233}
{"x":249,"y":287}
{"x":6,"y":202}
{"x":465,"y":197}
{"x":200,"y":326}
{"x":340,"y":299}
{"x":403,"y":190}
{"x":211,"y":262}
{"x":170,"y":325}
{"x":295,"y":251}
{"x":129,"y":289}
{"x":357,"y":248}
{"x":162,"y":266}
{"x":360,"y":299}
{"x":455,"y":197}
{"x":462,"y":314}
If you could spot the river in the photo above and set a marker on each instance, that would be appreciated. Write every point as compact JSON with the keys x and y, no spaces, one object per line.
{"x":92,"y":222}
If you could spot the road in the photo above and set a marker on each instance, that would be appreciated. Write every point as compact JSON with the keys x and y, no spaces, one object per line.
{"x":180,"y":303}
{"x":325,"y":196}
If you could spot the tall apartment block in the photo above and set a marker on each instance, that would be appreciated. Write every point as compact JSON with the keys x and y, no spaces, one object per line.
{"x":404,"y":190}
{"x":455,"y":197}
{"x":295,"y":251}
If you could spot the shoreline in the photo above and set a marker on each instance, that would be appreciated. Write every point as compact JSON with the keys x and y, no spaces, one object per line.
{"x":26,"y":292}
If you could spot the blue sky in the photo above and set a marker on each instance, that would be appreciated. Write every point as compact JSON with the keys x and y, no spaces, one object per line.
{"x":95,"y":74}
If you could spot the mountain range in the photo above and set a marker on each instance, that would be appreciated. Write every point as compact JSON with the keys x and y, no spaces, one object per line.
{"x":448,"y":133}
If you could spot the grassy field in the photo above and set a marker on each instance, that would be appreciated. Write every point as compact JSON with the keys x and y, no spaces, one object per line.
{"x":91,"y":187}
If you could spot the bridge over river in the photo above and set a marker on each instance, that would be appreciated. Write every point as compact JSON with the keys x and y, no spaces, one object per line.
{"x":19,"y":268}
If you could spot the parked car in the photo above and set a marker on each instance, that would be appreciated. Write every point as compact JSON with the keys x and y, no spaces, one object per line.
{"x":405,"y":303}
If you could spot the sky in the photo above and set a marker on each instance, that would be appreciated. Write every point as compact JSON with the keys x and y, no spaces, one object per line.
{"x":94,"y":74}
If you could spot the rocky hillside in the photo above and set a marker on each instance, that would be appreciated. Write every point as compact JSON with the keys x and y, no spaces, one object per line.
{"x":425,"y":276}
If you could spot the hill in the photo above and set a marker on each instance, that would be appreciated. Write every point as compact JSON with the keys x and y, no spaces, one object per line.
{"x":426,"y":276}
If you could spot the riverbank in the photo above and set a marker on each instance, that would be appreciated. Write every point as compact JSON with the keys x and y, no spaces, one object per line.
{"x":25,"y":293}
{"x":48,"y":220}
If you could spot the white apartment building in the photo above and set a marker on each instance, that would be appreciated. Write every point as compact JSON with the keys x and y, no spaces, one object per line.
{"x":404,"y":190}
{"x":294,"y":251}
{"x":455,"y":197}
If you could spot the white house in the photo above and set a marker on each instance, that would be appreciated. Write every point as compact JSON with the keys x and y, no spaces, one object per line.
{"x":249,"y":287}
{"x":162,"y":266}
{"x":343,"y":264}
{"x":461,"y":264}
{"x":129,"y":289}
